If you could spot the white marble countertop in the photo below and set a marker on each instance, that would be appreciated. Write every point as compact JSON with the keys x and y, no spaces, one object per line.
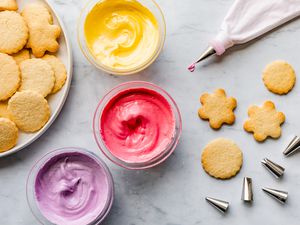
{"x":173,"y":193}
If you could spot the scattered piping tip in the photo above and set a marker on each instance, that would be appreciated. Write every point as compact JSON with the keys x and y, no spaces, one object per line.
{"x":274,"y":168}
{"x":220,"y":205}
{"x":209,"y":52}
{"x":293,"y":146}
{"x":247,"y":193}
{"x":280,"y":196}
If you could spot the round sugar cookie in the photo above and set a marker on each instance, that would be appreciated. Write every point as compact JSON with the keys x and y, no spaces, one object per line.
{"x":13,"y":32}
{"x":37,"y":75}
{"x":279,"y":77}
{"x":222,"y":158}
{"x":8,"y":134}
{"x":29,"y":110}
{"x":9,"y":76}
{"x":59,"y":69}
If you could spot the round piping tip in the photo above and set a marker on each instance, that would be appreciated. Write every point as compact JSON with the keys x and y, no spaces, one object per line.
{"x":207,"y":53}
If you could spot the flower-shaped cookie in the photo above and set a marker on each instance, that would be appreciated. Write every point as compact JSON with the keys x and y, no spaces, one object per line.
{"x":264,"y":121}
{"x":217,"y":108}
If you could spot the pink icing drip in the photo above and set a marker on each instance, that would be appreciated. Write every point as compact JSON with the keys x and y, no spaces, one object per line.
{"x":192,"y":67}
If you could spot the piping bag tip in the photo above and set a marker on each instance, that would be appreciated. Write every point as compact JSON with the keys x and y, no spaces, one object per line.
{"x":208,"y":52}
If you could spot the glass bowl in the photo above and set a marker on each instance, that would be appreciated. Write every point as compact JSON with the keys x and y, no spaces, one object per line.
{"x":157,"y":159}
{"x":30,"y":184}
{"x":153,"y":7}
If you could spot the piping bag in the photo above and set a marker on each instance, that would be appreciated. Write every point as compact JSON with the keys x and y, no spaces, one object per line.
{"x":247,"y":20}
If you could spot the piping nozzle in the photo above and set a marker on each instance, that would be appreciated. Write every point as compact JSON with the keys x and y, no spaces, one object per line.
{"x":207,"y":53}
{"x":293,"y":146}
{"x":274,"y":168}
{"x":247,"y":193}
{"x":280,"y":196}
{"x":220,"y":205}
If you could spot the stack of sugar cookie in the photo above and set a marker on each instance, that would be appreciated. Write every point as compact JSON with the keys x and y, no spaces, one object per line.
{"x":28,"y":72}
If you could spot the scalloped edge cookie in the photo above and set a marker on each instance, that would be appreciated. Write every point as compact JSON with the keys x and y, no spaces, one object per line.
{"x":279,"y":77}
{"x":13,"y":32}
{"x":29,"y":110}
{"x":222,"y":158}
{"x":37,"y":75}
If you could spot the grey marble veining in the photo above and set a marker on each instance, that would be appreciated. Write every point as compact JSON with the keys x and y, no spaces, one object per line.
{"x":173,"y":193}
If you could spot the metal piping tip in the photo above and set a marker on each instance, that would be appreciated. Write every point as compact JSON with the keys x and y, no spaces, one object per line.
{"x":220,"y":205}
{"x":280,"y":196}
{"x":293,"y":146}
{"x":247,"y":193}
{"x":274,"y":168}
{"x":209,"y":51}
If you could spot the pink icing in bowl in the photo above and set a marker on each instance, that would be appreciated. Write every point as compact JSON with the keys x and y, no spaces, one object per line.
{"x":137,"y":125}
{"x":70,"y":186}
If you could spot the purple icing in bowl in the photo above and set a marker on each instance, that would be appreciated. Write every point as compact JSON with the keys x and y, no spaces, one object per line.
{"x":73,"y":188}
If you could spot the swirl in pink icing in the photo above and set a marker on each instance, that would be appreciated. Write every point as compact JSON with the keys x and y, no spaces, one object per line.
{"x":71,"y":189}
{"x":137,"y":125}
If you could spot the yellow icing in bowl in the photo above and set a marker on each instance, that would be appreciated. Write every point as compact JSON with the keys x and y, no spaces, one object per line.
{"x":121,"y":34}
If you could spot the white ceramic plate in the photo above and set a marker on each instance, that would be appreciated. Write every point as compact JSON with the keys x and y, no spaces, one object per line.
{"x":57,"y":100}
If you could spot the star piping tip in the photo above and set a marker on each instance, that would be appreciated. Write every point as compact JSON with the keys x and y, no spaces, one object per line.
{"x":273,"y":167}
{"x":293,"y":146}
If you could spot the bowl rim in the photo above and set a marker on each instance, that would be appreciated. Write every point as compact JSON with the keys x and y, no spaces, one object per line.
{"x":89,"y":56}
{"x":162,"y":157}
{"x":48,"y":156}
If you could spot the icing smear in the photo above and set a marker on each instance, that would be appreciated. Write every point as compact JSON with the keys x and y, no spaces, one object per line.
{"x":192,"y":67}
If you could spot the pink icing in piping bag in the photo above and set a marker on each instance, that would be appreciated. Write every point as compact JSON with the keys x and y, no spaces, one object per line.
{"x":248,"y":19}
